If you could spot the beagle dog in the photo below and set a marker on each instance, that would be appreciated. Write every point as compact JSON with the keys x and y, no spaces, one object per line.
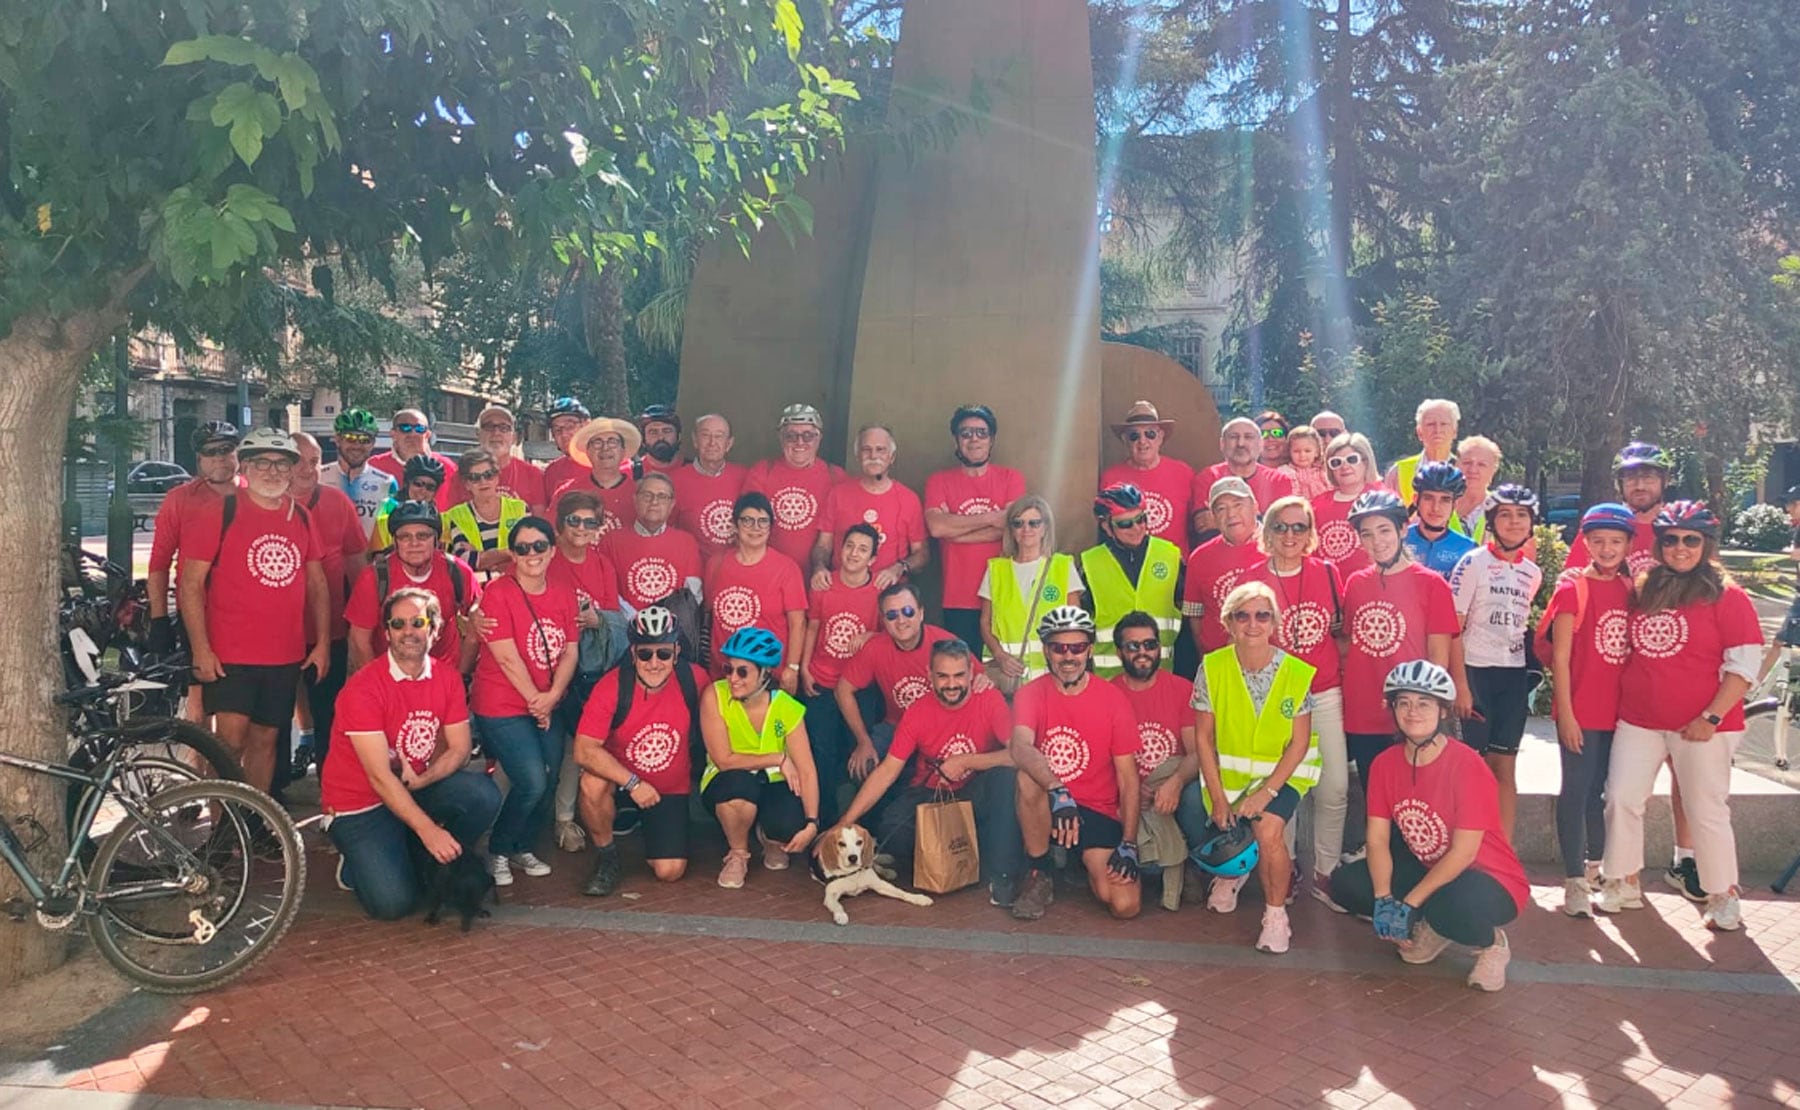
{"x":845,"y":863}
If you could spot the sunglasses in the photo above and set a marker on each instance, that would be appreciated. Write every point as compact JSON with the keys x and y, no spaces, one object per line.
{"x":741,"y":670}
{"x":1260,"y":616}
{"x":1297,"y":528}
{"x":1352,"y":459}
{"x":1149,"y":434}
{"x":586,"y":523}
{"x":357,"y":438}
{"x":1329,"y":433}
{"x":413,"y":429}
{"x":1128,"y":521}
{"x":484,"y":476}
{"x":972,"y":433}
{"x":1068,"y":649}
{"x":1274,"y":433}
{"x":395,"y":624}
{"x":1135,"y":647}
{"x":661,"y":654}
{"x":753,"y":522}
{"x":507,"y":428}
{"x":218,"y":452}
{"x":1034,"y":522}
{"x":1688,"y":540}
{"x":905,"y":611}
{"x":531,"y":547}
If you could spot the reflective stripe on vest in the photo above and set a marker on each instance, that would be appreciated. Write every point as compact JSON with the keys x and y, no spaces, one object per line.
{"x":1113,"y":595}
{"x":1250,"y":744}
{"x":1010,"y":608}
{"x":783,"y":715}
{"x":461,"y":518}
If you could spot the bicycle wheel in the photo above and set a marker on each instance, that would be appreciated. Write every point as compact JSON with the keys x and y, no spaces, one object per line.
{"x":234,"y":871}
{"x":154,"y":754}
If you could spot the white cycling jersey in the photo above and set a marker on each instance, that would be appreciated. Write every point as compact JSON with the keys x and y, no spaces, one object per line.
{"x":1493,"y":598}
{"x":368,"y":491}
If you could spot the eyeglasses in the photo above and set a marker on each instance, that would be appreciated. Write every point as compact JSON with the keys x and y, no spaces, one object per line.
{"x":484,"y":476}
{"x":531,"y":547}
{"x":1128,"y":521}
{"x":799,"y":437}
{"x":1068,"y":649}
{"x":1274,"y":433}
{"x":972,"y":433}
{"x":754,"y":523}
{"x":413,"y":534}
{"x":655,"y":497}
{"x":266,"y":465}
{"x":218,"y":452}
{"x":661,"y":654}
{"x":395,"y":624}
{"x":1149,"y":434}
{"x":905,"y":611}
{"x":586,"y":523}
{"x":507,"y":428}
{"x":1260,"y":616}
{"x":1297,"y":528}
{"x":606,"y":443}
{"x":413,"y":429}
{"x":1351,"y":459}
{"x":1688,"y":540}
{"x":1029,"y":523}
{"x":1135,"y":647}
{"x":740,"y":670}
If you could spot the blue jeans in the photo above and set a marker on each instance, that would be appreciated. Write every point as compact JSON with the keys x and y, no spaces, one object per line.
{"x":377,"y":846}
{"x":532,"y":759}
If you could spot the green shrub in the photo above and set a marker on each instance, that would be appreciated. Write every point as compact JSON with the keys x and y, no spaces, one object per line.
{"x":1761,"y":528}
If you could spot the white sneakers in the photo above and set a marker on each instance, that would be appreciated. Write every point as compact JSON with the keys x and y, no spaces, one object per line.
{"x":1722,"y":911}
{"x":1223,"y":895}
{"x":529,"y":864}
{"x":1578,"y":897}
{"x":775,"y":857}
{"x":1277,"y":934}
{"x":1489,"y":973}
{"x":500,"y":870}
{"x":1618,"y":895}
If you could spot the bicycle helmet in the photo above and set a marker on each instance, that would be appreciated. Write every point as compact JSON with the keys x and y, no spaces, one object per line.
{"x":1066,"y":618}
{"x":659,"y":414}
{"x":653,"y":625}
{"x":215,"y":431}
{"x":1691,"y":516}
{"x":1792,"y":495}
{"x":801,"y":414}
{"x":1117,"y":500}
{"x":268,"y":441}
{"x":414,"y":512}
{"x":1609,"y":514}
{"x":1229,"y":853}
{"x":980,"y":412}
{"x":1378,"y":502}
{"x":423,"y":466}
{"x":1419,"y":676}
{"x":1439,"y":477}
{"x":1636,"y":454}
{"x":568,"y":406}
{"x":753,"y":645}
{"x":355,"y":422}
{"x":1510,"y":493}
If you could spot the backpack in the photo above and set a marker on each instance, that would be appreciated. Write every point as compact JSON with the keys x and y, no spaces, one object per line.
{"x":684,"y":677}
{"x":457,"y":584}
{"x":230,"y":514}
{"x":1539,"y":643}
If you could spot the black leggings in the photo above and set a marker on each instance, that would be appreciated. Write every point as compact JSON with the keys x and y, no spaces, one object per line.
{"x":779,"y":811}
{"x":1467,"y":909}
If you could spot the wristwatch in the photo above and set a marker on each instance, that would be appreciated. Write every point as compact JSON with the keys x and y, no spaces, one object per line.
{"x":1712,"y":719}
{"x":905,"y":567}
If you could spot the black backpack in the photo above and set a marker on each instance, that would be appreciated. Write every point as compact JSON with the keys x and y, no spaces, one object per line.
{"x":457,"y":583}
{"x":684,"y":677}
{"x":230,"y":514}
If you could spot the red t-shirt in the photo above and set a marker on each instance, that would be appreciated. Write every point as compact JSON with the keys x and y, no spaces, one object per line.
{"x":979,"y":724}
{"x":897,"y":514}
{"x":650,"y":568}
{"x":1426,"y":805}
{"x":412,"y":715}
{"x":844,"y":613}
{"x":340,"y":537}
{"x":703,"y":505}
{"x":1673,"y":671}
{"x":1168,"y":489}
{"x":1639,"y":557}
{"x":558,"y":473}
{"x":541,"y":647}
{"x":518,"y":478}
{"x":1339,"y":544}
{"x":1310,"y":601}
{"x":395,"y":467}
{"x":961,"y":494}
{"x":256,"y":591}
{"x":1161,"y":713}
{"x":798,"y":497}
{"x":618,"y":505}
{"x":1389,"y":618}
{"x":904,"y":676}
{"x":1213,"y":571}
{"x":364,"y":608}
{"x":1080,"y":735}
{"x":1602,"y":644}
{"x":1267,"y":484}
{"x":593,"y":579}
{"x":760,"y":595}
{"x":179,"y":510}
{"x":655,"y":740}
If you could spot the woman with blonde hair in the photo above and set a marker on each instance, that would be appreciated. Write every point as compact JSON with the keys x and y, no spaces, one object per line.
{"x":1478,"y":457}
{"x":1350,"y":465}
{"x":1029,"y":578}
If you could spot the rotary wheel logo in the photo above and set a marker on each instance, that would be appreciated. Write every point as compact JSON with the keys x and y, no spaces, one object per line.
{"x":1336,"y":539}
{"x":715,"y":523}
{"x":795,"y":508}
{"x":1422,"y":829}
{"x":841,"y":631}
{"x":1155,"y":744}
{"x":651,"y":579}
{"x":1637,"y":562}
{"x":274,"y":561}
{"x":1157,"y":512}
{"x":736,"y":607}
{"x":653,"y":748}
{"x":546,"y":649}
{"x":910,"y":689}
{"x":609,"y":521}
{"x":1612,"y":637}
{"x":1305,"y":626}
{"x":957,"y":745}
{"x":1065,"y":751}
{"x":976,"y":506}
{"x":417,"y":739}
{"x":1380,"y":627}
{"x":1659,"y":635}
{"x":1222,"y":587}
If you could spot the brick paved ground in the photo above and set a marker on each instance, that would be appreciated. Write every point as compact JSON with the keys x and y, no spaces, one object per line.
{"x":692,"y":995}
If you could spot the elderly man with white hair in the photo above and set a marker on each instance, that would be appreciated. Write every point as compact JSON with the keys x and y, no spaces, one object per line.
{"x":1436,"y":422}
{"x":1240,"y":441}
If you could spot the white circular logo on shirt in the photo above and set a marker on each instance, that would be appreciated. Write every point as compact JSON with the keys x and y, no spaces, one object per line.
{"x":1612,"y":637}
{"x":1637,"y":562}
{"x":1222,"y":587}
{"x":1155,"y":744}
{"x":795,"y":508}
{"x":910,"y":689}
{"x":546,"y":649}
{"x":652,"y":579}
{"x":1157,"y":511}
{"x":1380,"y":627}
{"x":609,"y":520}
{"x":736,"y":606}
{"x":841,"y":631}
{"x":1305,"y":625}
{"x":1659,"y":635}
{"x":274,"y":561}
{"x":957,"y":745}
{"x":715,"y":523}
{"x":1065,"y":751}
{"x":976,"y":506}
{"x":1422,"y":829}
{"x":652,"y":749}
{"x":1337,"y":539}
{"x":418,"y":738}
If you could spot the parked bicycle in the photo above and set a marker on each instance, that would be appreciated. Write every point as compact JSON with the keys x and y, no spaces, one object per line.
{"x":1778,"y":694}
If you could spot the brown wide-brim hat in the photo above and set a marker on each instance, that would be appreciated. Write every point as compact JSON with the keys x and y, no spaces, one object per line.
{"x":1141,"y":414}
{"x":603,"y":425}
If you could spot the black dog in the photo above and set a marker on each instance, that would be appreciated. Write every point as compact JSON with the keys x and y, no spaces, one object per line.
{"x":461,"y":885}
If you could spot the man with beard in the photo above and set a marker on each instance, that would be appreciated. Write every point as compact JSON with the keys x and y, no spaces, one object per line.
{"x":955,"y":741}
{"x":566,"y":415}
{"x":707,"y":488}
{"x":342,"y":553}
{"x":1159,"y":705}
{"x":411,"y":433}
{"x":1240,"y":441}
{"x":796,"y":483}
{"x":497,"y":430}
{"x":890,"y":672}
{"x":660,"y":425}
{"x":367,"y":488}
{"x":1129,"y":569}
{"x":965,"y":511}
{"x":874,"y":498}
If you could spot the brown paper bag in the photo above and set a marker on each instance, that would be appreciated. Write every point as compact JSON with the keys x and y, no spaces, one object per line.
{"x":946,"y":856}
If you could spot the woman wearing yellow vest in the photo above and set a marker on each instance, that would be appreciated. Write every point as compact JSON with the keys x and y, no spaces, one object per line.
{"x":759,"y":766}
{"x":477,"y":530}
{"x":1028,"y":580}
{"x":1253,"y":707}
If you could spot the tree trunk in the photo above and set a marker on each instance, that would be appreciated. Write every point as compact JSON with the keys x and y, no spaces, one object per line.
{"x":42,"y":360}
{"x":603,"y":319}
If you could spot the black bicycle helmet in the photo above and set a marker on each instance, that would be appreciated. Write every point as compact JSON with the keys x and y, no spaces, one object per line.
{"x":981,"y":412}
{"x":414,"y":512}
{"x":1117,"y":499}
{"x":1691,"y":516}
{"x":1378,"y":502}
{"x":660,"y":414}
{"x":215,"y":431}
{"x":423,"y":466}
{"x":1792,"y":495}
{"x":1439,"y":477}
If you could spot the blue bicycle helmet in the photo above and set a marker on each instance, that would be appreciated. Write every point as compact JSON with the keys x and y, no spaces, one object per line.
{"x":1638,"y":453}
{"x":1378,"y":502}
{"x":753,"y":645}
{"x":1439,"y":477}
{"x":1609,"y":514}
{"x":1229,"y":853}
{"x":567,"y":406}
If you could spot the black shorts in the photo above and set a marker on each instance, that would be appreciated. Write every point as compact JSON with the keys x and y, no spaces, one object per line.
{"x":1503,"y":698}
{"x":1098,"y":830}
{"x":665,"y":828}
{"x":265,"y":694}
{"x":1284,"y":804}
{"x":779,"y":811}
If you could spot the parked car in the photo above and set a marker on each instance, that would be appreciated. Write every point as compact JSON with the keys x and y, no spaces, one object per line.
{"x":1564,"y":512}
{"x":152,"y":478}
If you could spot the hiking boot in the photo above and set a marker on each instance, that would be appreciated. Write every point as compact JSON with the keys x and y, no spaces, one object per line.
{"x":737,"y":866}
{"x":531,"y":865}
{"x":501,"y":870}
{"x":1617,"y":895}
{"x":1684,"y":878}
{"x":1489,"y":973}
{"x":605,"y":878}
{"x":569,"y":837}
{"x":1723,"y":912}
{"x":1223,"y":896}
{"x":1426,"y":945}
{"x":1276,"y":932}
{"x":1035,"y":896}
{"x":775,"y":856}
{"x":1003,"y":891}
{"x":1578,"y":897}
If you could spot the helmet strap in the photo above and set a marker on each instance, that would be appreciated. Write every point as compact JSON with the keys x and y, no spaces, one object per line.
{"x":1506,"y":548}
{"x":964,"y":459}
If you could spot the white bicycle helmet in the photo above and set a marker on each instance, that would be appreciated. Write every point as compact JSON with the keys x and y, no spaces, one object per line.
{"x":653,"y":625}
{"x":260,"y":441}
{"x":1066,"y":618}
{"x":1420,"y":676}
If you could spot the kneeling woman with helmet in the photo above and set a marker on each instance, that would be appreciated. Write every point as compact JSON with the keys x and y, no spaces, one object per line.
{"x":759,"y":766}
{"x":1450,"y":876}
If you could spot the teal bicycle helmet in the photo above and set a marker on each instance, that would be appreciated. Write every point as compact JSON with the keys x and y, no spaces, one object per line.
{"x":1230,"y":853}
{"x":753,"y":645}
